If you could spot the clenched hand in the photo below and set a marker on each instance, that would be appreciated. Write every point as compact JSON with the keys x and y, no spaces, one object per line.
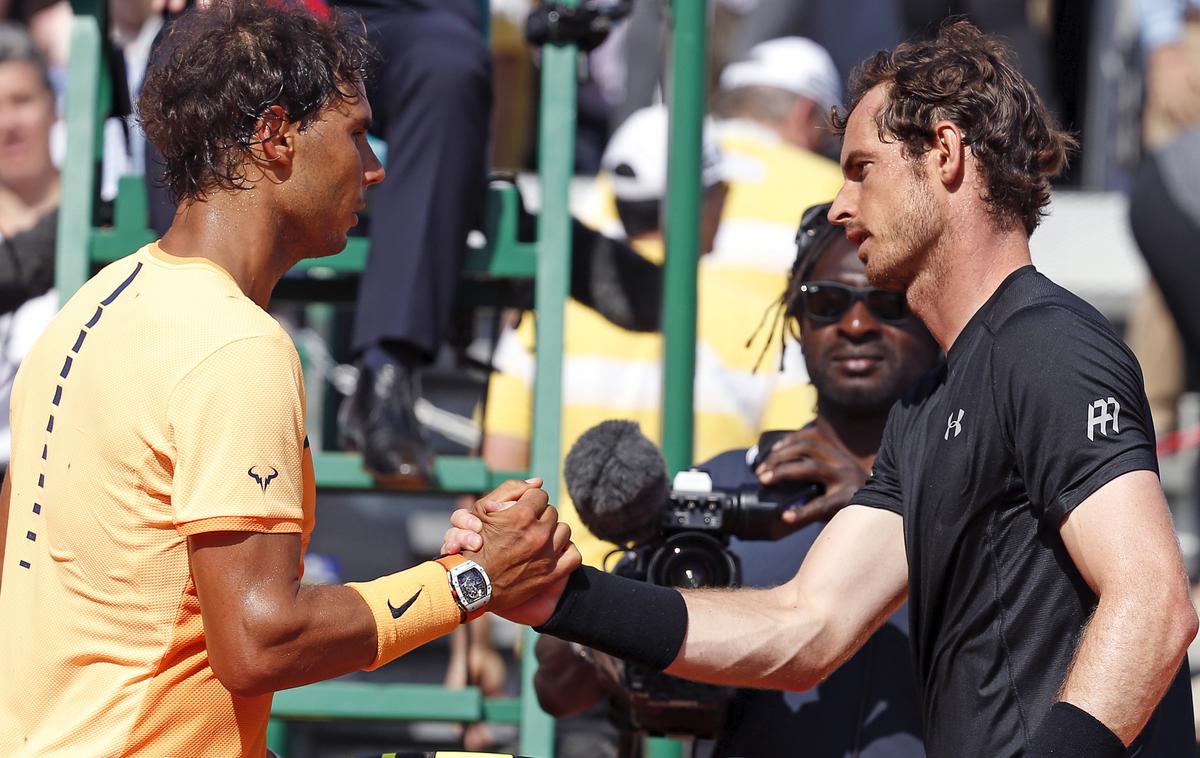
{"x":526,"y":552}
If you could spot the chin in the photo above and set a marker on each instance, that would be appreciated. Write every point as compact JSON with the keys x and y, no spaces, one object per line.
{"x":895,"y":276}
{"x":332,"y":247}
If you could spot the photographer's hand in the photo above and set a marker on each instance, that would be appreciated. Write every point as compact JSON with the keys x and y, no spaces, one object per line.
{"x":807,"y":455}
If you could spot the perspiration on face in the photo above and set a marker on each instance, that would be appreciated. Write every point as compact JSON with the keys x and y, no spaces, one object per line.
{"x":887,"y":202}
{"x":331,"y":166}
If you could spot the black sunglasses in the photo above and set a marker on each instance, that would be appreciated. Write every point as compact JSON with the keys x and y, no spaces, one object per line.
{"x":827,"y":302}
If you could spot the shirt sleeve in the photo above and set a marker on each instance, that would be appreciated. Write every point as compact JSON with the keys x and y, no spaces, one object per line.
{"x":882,"y":489}
{"x":237,"y":420}
{"x":1071,"y":401}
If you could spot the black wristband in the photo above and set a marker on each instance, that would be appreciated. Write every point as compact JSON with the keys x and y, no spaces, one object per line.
{"x":633,"y":620}
{"x":1071,"y":732}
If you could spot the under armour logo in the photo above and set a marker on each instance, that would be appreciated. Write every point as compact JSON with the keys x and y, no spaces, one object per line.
{"x":1099,"y":416}
{"x":263,"y":481}
{"x":954,"y":424}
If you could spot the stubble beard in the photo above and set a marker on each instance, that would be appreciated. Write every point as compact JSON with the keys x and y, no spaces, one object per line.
{"x":915,"y":232}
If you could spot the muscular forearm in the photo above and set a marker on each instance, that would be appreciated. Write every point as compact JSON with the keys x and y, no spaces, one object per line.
{"x":1130,"y":653}
{"x":328,"y":632}
{"x":787,"y":637}
{"x":757,"y":638}
{"x":266,"y":631}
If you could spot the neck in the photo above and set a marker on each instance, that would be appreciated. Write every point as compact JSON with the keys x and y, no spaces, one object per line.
{"x":238,"y":234}
{"x":22,"y":203}
{"x":858,"y":435}
{"x":961,"y":273}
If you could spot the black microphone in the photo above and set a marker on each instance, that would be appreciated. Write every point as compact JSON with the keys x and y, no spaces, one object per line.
{"x":618,"y":480}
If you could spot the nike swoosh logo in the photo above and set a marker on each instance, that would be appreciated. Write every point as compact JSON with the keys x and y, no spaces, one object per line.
{"x":398,"y":612}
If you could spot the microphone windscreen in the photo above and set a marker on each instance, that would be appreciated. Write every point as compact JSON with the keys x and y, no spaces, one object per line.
{"x":618,"y":481}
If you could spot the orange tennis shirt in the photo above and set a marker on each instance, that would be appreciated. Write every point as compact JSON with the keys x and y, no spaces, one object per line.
{"x":160,"y":403}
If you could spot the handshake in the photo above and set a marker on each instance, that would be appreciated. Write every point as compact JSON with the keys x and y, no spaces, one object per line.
{"x":514,"y":534}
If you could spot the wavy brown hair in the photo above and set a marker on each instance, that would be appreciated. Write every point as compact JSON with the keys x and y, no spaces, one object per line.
{"x":220,"y":68}
{"x":970,"y":79}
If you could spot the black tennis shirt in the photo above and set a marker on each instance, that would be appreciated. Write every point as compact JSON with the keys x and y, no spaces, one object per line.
{"x":1039,"y":405}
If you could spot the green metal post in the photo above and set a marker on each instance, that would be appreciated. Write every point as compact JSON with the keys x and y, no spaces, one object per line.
{"x":84,"y":104}
{"x":688,"y":67}
{"x":682,"y":230}
{"x":556,"y":160}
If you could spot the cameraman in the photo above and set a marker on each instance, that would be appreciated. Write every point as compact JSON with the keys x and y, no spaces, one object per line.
{"x":863,"y":349}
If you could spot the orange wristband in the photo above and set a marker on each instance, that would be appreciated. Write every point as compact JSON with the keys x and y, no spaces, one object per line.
{"x":410,"y":608}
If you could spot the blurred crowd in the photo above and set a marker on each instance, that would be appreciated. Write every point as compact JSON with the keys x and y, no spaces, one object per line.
{"x":776,"y":68}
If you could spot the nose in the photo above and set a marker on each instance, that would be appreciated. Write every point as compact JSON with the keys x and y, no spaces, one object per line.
{"x":841,"y":211}
{"x":373,"y":171}
{"x":858,"y":324}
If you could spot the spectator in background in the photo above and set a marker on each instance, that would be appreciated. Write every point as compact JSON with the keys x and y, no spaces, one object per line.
{"x":1162,"y":200}
{"x":49,"y":24}
{"x":772,"y":111}
{"x":29,"y":196}
{"x":868,"y":707}
{"x":1164,"y":330}
{"x":433,"y":100}
{"x":788,"y":85}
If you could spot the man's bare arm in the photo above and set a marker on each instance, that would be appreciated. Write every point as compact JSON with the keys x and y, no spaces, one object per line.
{"x":795,"y":635}
{"x":265,"y":630}
{"x":1122,"y":542}
{"x":788,"y":637}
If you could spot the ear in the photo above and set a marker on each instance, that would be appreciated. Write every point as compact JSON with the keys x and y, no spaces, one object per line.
{"x":949,"y":148}
{"x":804,"y":111}
{"x":274,"y":137}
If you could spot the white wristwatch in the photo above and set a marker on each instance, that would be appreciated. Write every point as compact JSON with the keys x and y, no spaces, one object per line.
{"x":469,"y":585}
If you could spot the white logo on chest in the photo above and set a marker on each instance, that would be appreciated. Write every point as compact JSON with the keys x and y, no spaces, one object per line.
{"x":954,"y":425}
{"x":1099,"y":416}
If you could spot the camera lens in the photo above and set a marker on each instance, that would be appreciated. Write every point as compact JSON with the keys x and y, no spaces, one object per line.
{"x":689,"y":560}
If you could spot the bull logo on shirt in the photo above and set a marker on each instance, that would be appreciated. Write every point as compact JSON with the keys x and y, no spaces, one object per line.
{"x":1099,"y":415}
{"x":263,"y":481}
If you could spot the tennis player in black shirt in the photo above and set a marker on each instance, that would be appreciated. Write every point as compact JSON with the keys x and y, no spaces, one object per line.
{"x":1015,"y":501}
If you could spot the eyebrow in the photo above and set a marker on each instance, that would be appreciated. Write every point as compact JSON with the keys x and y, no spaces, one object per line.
{"x":855,"y":155}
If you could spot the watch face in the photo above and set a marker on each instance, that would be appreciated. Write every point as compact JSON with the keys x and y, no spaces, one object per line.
{"x":472,"y":586}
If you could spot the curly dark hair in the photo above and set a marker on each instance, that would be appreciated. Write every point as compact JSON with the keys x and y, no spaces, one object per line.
{"x":813,"y":239}
{"x":220,"y":68}
{"x":970,"y":79}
